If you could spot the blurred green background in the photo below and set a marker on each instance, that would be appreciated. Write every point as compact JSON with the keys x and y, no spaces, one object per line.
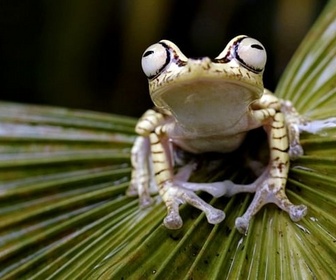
{"x":86,"y":54}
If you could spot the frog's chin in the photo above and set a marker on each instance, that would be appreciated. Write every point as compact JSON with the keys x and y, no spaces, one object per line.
{"x":206,"y":108}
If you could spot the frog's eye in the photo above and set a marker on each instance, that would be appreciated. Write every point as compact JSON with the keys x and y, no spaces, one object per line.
{"x":160,"y":56}
{"x":251,"y":53}
{"x":155,"y":59}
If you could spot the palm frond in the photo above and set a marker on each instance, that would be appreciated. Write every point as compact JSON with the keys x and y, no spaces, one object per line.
{"x":64,"y":213}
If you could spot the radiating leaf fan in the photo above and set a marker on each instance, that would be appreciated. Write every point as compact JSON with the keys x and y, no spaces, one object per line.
{"x":64,"y":213}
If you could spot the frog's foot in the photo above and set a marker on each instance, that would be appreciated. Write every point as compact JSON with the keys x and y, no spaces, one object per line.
{"x":179,"y":191}
{"x":174,"y":194}
{"x":267,"y":190}
{"x":296,"y":212}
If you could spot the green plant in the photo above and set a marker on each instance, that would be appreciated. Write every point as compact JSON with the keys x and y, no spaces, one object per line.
{"x":64,"y":213}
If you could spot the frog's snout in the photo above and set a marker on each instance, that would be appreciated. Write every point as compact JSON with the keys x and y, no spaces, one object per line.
{"x":200,"y":60}
{"x":200,"y":64}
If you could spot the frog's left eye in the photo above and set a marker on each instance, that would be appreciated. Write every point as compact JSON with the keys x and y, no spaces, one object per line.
{"x":155,"y":59}
{"x":251,"y":53}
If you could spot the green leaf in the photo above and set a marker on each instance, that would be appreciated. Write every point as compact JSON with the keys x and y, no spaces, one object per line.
{"x":64,"y":213}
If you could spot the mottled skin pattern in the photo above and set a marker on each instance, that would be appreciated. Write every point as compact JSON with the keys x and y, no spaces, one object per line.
{"x":207,"y":105}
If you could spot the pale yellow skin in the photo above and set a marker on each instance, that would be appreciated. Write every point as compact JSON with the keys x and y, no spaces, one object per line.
{"x":205,"y":105}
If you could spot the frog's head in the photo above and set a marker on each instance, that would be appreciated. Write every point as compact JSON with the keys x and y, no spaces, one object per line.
{"x":231,"y":80}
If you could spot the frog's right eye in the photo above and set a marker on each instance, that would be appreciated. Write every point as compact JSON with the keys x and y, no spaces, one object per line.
{"x":155,"y":59}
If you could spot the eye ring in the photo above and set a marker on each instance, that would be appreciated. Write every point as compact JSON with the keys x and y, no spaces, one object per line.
{"x":250,"y":53}
{"x":154,"y":59}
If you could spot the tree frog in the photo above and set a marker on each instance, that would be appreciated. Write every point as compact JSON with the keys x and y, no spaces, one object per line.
{"x":208,"y":105}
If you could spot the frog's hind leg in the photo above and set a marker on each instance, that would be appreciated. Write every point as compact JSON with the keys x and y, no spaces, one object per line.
{"x":270,"y":186}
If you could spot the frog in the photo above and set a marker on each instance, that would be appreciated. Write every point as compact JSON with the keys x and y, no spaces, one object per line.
{"x":209,"y":105}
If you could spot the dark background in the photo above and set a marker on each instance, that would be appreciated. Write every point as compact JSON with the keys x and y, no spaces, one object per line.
{"x":86,"y":54}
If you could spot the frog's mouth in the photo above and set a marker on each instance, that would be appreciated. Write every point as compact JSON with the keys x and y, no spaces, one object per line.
{"x":207,"y":106}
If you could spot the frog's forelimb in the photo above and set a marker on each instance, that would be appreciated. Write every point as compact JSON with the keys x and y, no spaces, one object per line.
{"x":169,"y":186}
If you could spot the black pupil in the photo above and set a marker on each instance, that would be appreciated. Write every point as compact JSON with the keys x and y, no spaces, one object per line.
{"x":147,"y":53}
{"x":256,"y":46}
